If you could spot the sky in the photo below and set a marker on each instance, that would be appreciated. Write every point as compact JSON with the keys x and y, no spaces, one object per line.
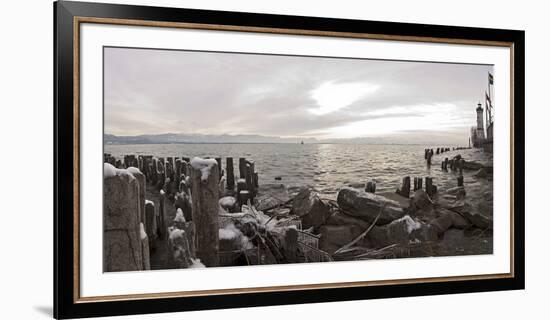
{"x":150,"y":91}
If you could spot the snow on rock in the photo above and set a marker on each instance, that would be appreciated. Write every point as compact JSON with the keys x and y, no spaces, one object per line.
{"x":409,"y":222}
{"x":142,"y":232}
{"x":175,"y":233}
{"x":229,"y":232}
{"x":162,"y":192}
{"x":179,"y":216}
{"x":196,"y":263}
{"x":227,"y":202}
{"x":204,"y":165}
{"x":133,"y":170}
{"x":110,"y":171}
{"x":149,"y":202}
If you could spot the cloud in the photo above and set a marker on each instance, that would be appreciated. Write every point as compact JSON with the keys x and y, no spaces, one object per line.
{"x":159,"y":91}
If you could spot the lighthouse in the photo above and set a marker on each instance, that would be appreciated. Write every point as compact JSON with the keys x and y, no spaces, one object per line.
{"x":480,"y":134}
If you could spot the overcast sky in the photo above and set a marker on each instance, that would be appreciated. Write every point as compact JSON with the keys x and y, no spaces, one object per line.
{"x":161,"y":91}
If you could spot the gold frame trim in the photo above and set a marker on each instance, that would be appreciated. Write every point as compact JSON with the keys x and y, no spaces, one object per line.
{"x":77,"y":21}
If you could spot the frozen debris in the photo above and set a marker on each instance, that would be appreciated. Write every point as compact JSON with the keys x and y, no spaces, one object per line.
{"x":142,"y":232}
{"x":175,"y":233}
{"x":196,"y":263}
{"x":204,"y":165}
{"x":179,"y":216}
{"x":410,"y":223}
{"x":110,"y":171}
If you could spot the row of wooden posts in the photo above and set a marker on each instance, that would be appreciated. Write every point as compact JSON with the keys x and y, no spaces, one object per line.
{"x":405,"y":189}
{"x":158,"y":169}
{"x":161,"y":171}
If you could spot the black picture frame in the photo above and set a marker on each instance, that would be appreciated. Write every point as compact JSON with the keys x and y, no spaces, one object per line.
{"x":66,"y":144}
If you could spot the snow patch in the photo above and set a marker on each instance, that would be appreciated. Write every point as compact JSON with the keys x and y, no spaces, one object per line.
{"x":179,"y":216}
{"x":229,"y":232}
{"x":204,"y":165}
{"x":149,"y":202}
{"x":133,"y":170}
{"x":110,"y":171}
{"x":410,"y":223}
{"x":227,"y":202}
{"x":162,"y":192}
{"x":142,"y":232}
{"x":196,"y":263}
{"x":175,"y":233}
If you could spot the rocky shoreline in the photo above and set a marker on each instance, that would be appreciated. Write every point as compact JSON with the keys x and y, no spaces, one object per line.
{"x":183,"y":213}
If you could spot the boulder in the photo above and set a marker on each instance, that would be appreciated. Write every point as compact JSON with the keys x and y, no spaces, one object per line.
{"x":420,"y":200}
{"x":366,"y":206}
{"x":339,"y":218}
{"x":312,"y":211}
{"x":481,"y":173}
{"x":335,"y":237}
{"x":267,"y":202}
{"x":472,"y":165}
{"x":472,"y":215}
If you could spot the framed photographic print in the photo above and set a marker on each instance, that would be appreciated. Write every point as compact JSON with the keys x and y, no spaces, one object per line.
{"x":209,"y":159}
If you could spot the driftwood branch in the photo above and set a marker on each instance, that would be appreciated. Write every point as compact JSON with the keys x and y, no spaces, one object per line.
{"x":363,"y":234}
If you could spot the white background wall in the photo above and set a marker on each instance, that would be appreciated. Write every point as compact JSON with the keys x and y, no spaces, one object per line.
{"x":26,"y":158}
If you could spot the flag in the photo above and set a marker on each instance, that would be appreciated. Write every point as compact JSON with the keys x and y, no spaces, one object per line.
{"x":490,"y":78}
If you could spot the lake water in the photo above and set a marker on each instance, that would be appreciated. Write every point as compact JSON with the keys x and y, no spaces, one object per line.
{"x":328,"y":167}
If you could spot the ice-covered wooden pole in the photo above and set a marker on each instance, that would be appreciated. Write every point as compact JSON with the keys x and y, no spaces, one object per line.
{"x":205,"y":176}
{"x":122,"y":249}
{"x":141,"y":192}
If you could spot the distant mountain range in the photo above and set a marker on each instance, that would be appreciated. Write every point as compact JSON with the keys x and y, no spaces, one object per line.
{"x":168,"y":138}
{"x":174,"y":138}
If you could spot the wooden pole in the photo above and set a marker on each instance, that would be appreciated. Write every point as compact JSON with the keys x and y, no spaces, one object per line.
{"x":460,"y":180}
{"x":242,"y":168}
{"x":205,"y":213}
{"x":405,"y":187}
{"x":230,"y":174}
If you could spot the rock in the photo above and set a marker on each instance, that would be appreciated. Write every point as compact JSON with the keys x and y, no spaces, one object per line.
{"x":481,"y":173}
{"x":335,"y":237}
{"x":472,"y":165}
{"x":421,"y":200}
{"x":470,"y":214}
{"x":442,"y":223}
{"x":404,"y":202}
{"x":267,"y":202}
{"x":310,"y":209}
{"x":122,"y":249}
{"x":339,"y":218}
{"x":367,"y":206}
{"x":479,"y":220}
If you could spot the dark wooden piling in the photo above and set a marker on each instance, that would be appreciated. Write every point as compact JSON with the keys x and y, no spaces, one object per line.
{"x":429,"y":186}
{"x":371,"y":186}
{"x":437,"y":151}
{"x":405,"y":187}
{"x":161,"y":223}
{"x":242,"y":168}
{"x":150,"y":223}
{"x":219,"y":161}
{"x":205,"y":214}
{"x":230,"y":174}
{"x":178,"y":172}
{"x":460,"y":181}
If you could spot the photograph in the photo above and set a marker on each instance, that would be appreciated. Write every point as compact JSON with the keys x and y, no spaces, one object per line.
{"x":215,"y":159}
